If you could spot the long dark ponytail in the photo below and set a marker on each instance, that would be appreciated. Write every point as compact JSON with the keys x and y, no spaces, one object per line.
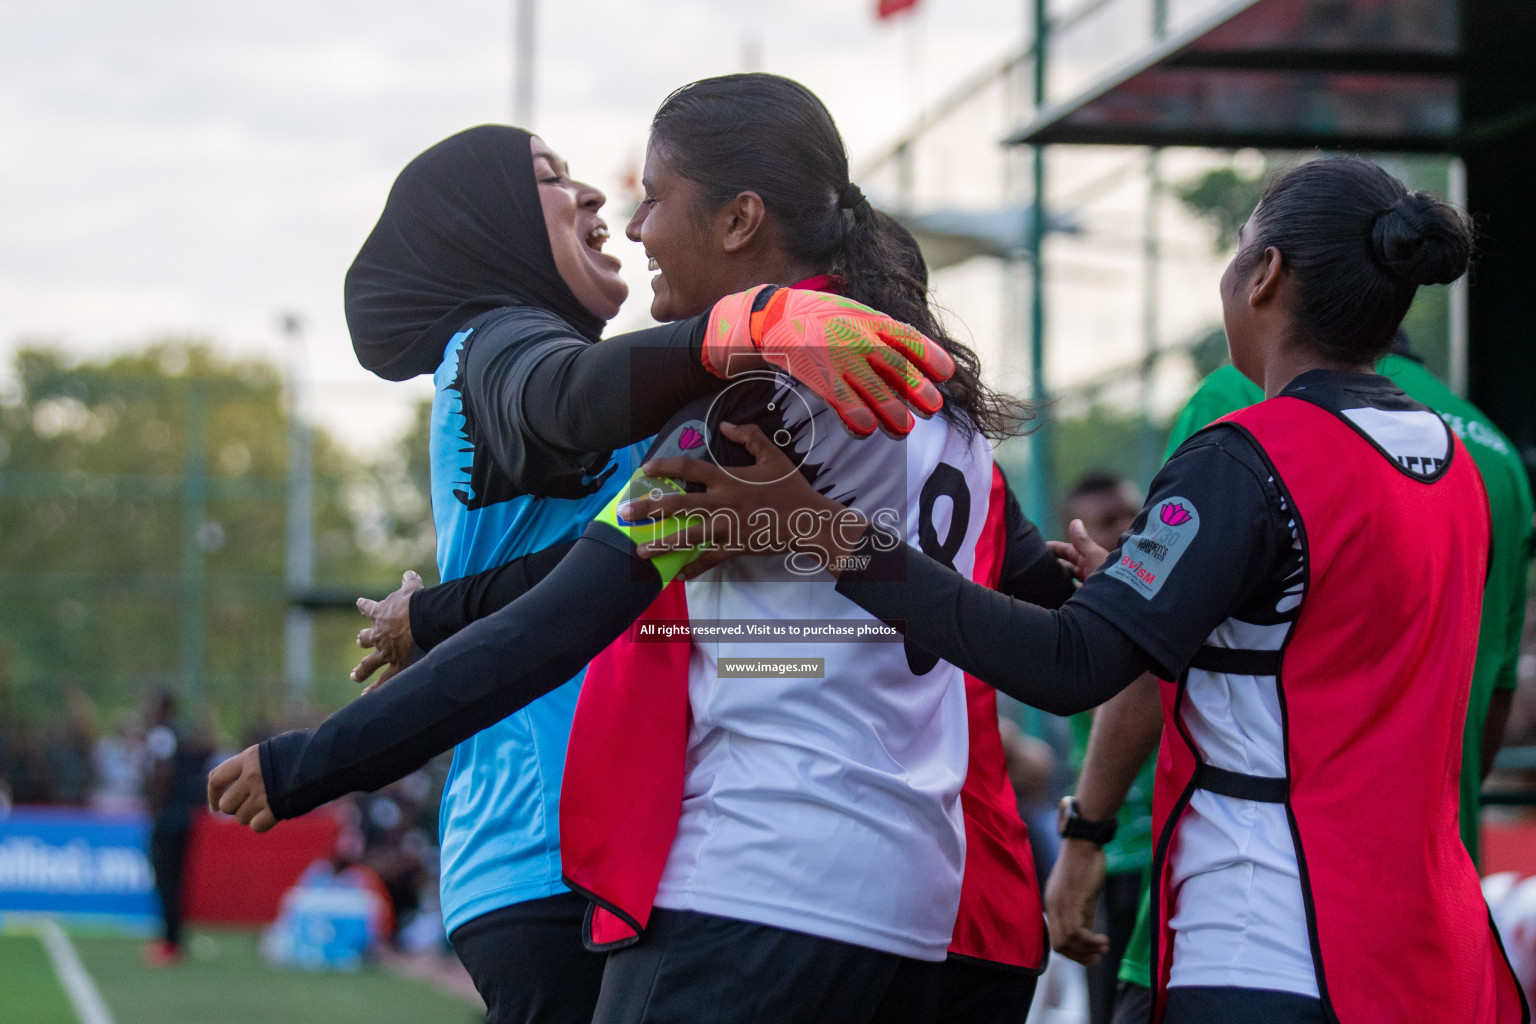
{"x":771,"y":135}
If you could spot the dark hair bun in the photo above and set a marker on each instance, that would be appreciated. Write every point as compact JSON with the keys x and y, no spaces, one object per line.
{"x":1422,"y":239}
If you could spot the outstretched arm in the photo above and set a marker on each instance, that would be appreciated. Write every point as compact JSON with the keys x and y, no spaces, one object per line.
{"x":470,"y":681}
{"x":574,"y":396}
{"x":437,"y":613}
{"x":425,"y":617}
{"x":562,"y":392}
{"x":1205,"y":542}
{"x":1060,"y":660}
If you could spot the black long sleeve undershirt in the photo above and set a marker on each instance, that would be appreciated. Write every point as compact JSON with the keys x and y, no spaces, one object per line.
{"x":545,"y":402}
{"x":554,"y":610}
{"x":554,"y":392}
{"x":1030,"y":573}
{"x":1062,"y":661}
{"x":441,"y":611}
{"x":469,"y":682}
{"x":622,"y":390}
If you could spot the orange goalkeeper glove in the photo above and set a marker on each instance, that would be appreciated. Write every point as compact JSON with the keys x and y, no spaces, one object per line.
{"x":866,"y":366}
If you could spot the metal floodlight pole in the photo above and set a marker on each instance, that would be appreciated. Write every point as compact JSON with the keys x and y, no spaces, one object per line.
{"x":1148,"y":458}
{"x":298,"y":622}
{"x":1039,"y":494}
{"x":524,"y":24}
{"x":1457,"y":371}
{"x":1041,"y":469}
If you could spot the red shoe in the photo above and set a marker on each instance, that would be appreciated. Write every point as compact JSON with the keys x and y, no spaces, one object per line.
{"x":161,"y":954}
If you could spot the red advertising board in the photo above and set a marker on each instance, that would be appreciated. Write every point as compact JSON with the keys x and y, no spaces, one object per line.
{"x":235,"y":876}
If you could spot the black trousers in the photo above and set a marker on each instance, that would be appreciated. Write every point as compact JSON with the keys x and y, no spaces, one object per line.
{"x":1133,"y":1004}
{"x":168,"y":858}
{"x":1217,"y":1005}
{"x":956,"y":991}
{"x":974,"y":992}
{"x":1116,"y":918}
{"x":697,"y":967}
{"x":692,"y":967}
{"x":528,"y":962}
{"x":1203,"y":1005}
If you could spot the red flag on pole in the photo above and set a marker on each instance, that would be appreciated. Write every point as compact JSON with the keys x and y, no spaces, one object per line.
{"x":888,"y":8}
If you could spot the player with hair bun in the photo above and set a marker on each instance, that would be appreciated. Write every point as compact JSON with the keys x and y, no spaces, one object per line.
{"x":1307,"y":577}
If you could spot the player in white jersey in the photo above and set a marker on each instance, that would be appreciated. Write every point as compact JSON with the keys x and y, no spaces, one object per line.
{"x":859,"y":784}
{"x":872,"y":747}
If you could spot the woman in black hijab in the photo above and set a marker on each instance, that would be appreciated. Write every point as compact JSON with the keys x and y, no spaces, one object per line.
{"x":463,"y":233}
{"x":486,"y":269}
{"x":461,"y":237}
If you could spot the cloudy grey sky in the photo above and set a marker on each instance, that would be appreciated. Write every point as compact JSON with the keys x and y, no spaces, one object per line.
{"x":186,"y":167}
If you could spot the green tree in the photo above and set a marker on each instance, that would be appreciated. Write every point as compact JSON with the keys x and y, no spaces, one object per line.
{"x":1101,"y":438}
{"x":1224,"y":197}
{"x":394,"y":496}
{"x":142,"y":505}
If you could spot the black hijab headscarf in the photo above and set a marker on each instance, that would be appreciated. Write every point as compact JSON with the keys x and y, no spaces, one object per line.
{"x":462,"y":233}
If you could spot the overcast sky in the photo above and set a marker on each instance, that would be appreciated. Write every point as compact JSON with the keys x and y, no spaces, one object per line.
{"x":185,"y":167}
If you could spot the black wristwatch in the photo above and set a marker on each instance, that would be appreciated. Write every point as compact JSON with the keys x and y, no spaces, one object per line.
{"x":1070,"y":824}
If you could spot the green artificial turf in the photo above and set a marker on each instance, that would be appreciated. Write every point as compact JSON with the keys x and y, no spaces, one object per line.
{"x":224,"y":981}
{"x":29,"y":990}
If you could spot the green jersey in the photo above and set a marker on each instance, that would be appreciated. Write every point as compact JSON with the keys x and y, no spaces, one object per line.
{"x":1498,"y":641}
{"x":1509,"y":503}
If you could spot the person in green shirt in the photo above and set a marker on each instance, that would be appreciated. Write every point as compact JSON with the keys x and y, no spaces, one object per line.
{"x":1127,"y":728}
{"x":1107,"y":505}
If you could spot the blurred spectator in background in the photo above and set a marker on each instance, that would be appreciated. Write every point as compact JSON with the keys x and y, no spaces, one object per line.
{"x":350,"y":859}
{"x":178,"y":775}
{"x":1521,"y":728}
{"x":118,"y":763}
{"x":1107,"y":505}
{"x":5,"y":778}
{"x":396,"y":848}
{"x":26,"y":774}
{"x":1031,"y":768}
{"x":336,"y":916}
{"x":67,"y":756}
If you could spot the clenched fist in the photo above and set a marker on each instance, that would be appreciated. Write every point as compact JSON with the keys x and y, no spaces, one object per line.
{"x":236,"y":787}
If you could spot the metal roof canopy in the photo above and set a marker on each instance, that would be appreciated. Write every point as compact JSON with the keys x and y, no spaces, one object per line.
{"x":1377,"y":75}
{"x":1430,"y":76}
{"x":950,"y":237}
